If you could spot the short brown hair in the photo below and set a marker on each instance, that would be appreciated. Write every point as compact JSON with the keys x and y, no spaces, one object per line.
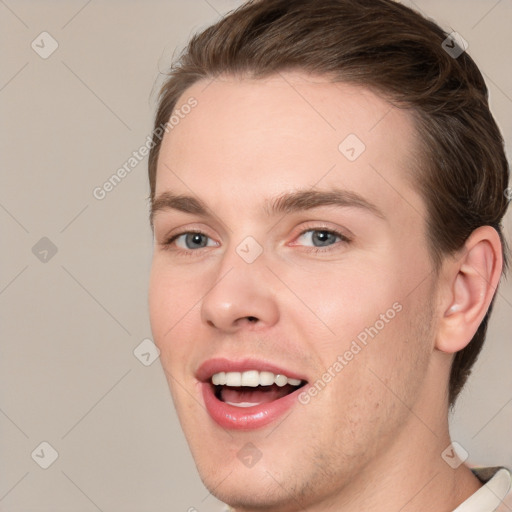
{"x":393,"y":50}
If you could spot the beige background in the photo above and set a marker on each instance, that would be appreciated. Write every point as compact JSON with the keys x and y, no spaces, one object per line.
{"x":70,"y":325}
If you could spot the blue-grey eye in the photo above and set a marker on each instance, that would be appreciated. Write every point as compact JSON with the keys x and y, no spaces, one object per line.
{"x":320,"y":237}
{"x":193,"y":241}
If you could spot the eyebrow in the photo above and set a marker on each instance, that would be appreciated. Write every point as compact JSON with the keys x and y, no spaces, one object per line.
{"x":288,"y":202}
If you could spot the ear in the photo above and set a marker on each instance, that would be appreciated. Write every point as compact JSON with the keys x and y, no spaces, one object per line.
{"x":469,"y":283}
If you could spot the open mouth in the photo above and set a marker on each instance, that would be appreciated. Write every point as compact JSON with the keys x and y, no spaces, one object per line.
{"x":247,"y":394}
{"x":252,"y":388}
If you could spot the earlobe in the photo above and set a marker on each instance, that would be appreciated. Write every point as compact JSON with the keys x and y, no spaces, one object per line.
{"x":472,"y":280}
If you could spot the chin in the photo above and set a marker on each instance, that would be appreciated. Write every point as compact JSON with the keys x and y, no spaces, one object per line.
{"x":243,"y":489}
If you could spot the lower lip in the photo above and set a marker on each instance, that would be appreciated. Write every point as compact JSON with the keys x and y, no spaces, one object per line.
{"x":246,"y":418}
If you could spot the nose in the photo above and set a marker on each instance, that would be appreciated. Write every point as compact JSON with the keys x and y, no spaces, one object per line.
{"x":241,"y":296}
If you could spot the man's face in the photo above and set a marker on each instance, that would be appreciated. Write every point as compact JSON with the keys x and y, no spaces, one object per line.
{"x":331,"y":294}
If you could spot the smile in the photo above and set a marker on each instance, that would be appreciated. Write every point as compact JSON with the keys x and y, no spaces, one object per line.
{"x":247,"y":395}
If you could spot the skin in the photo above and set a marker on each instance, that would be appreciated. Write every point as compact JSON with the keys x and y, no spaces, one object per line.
{"x":372,"y":438}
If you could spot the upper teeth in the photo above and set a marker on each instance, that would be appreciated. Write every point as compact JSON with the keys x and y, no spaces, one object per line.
{"x":252,"y":378}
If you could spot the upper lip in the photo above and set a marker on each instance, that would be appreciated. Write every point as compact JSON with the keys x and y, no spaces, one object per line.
{"x":221,"y":364}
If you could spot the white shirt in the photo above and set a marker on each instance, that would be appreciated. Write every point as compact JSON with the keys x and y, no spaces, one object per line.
{"x":494,"y":495}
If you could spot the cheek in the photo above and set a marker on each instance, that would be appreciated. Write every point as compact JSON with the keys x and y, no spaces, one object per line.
{"x":369,"y":317}
{"x":172,"y":299}
{"x":367,"y":396}
{"x":173,"y":317}
{"x":392,"y":363}
{"x":344,"y":300}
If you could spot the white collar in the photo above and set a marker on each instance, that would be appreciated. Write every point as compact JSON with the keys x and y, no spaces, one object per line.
{"x":489,"y":497}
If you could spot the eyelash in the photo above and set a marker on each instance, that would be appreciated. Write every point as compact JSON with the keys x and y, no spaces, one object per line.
{"x":167,"y":245}
{"x":186,"y":252}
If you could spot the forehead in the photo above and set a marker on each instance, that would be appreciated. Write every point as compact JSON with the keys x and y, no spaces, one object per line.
{"x":288,"y":131}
